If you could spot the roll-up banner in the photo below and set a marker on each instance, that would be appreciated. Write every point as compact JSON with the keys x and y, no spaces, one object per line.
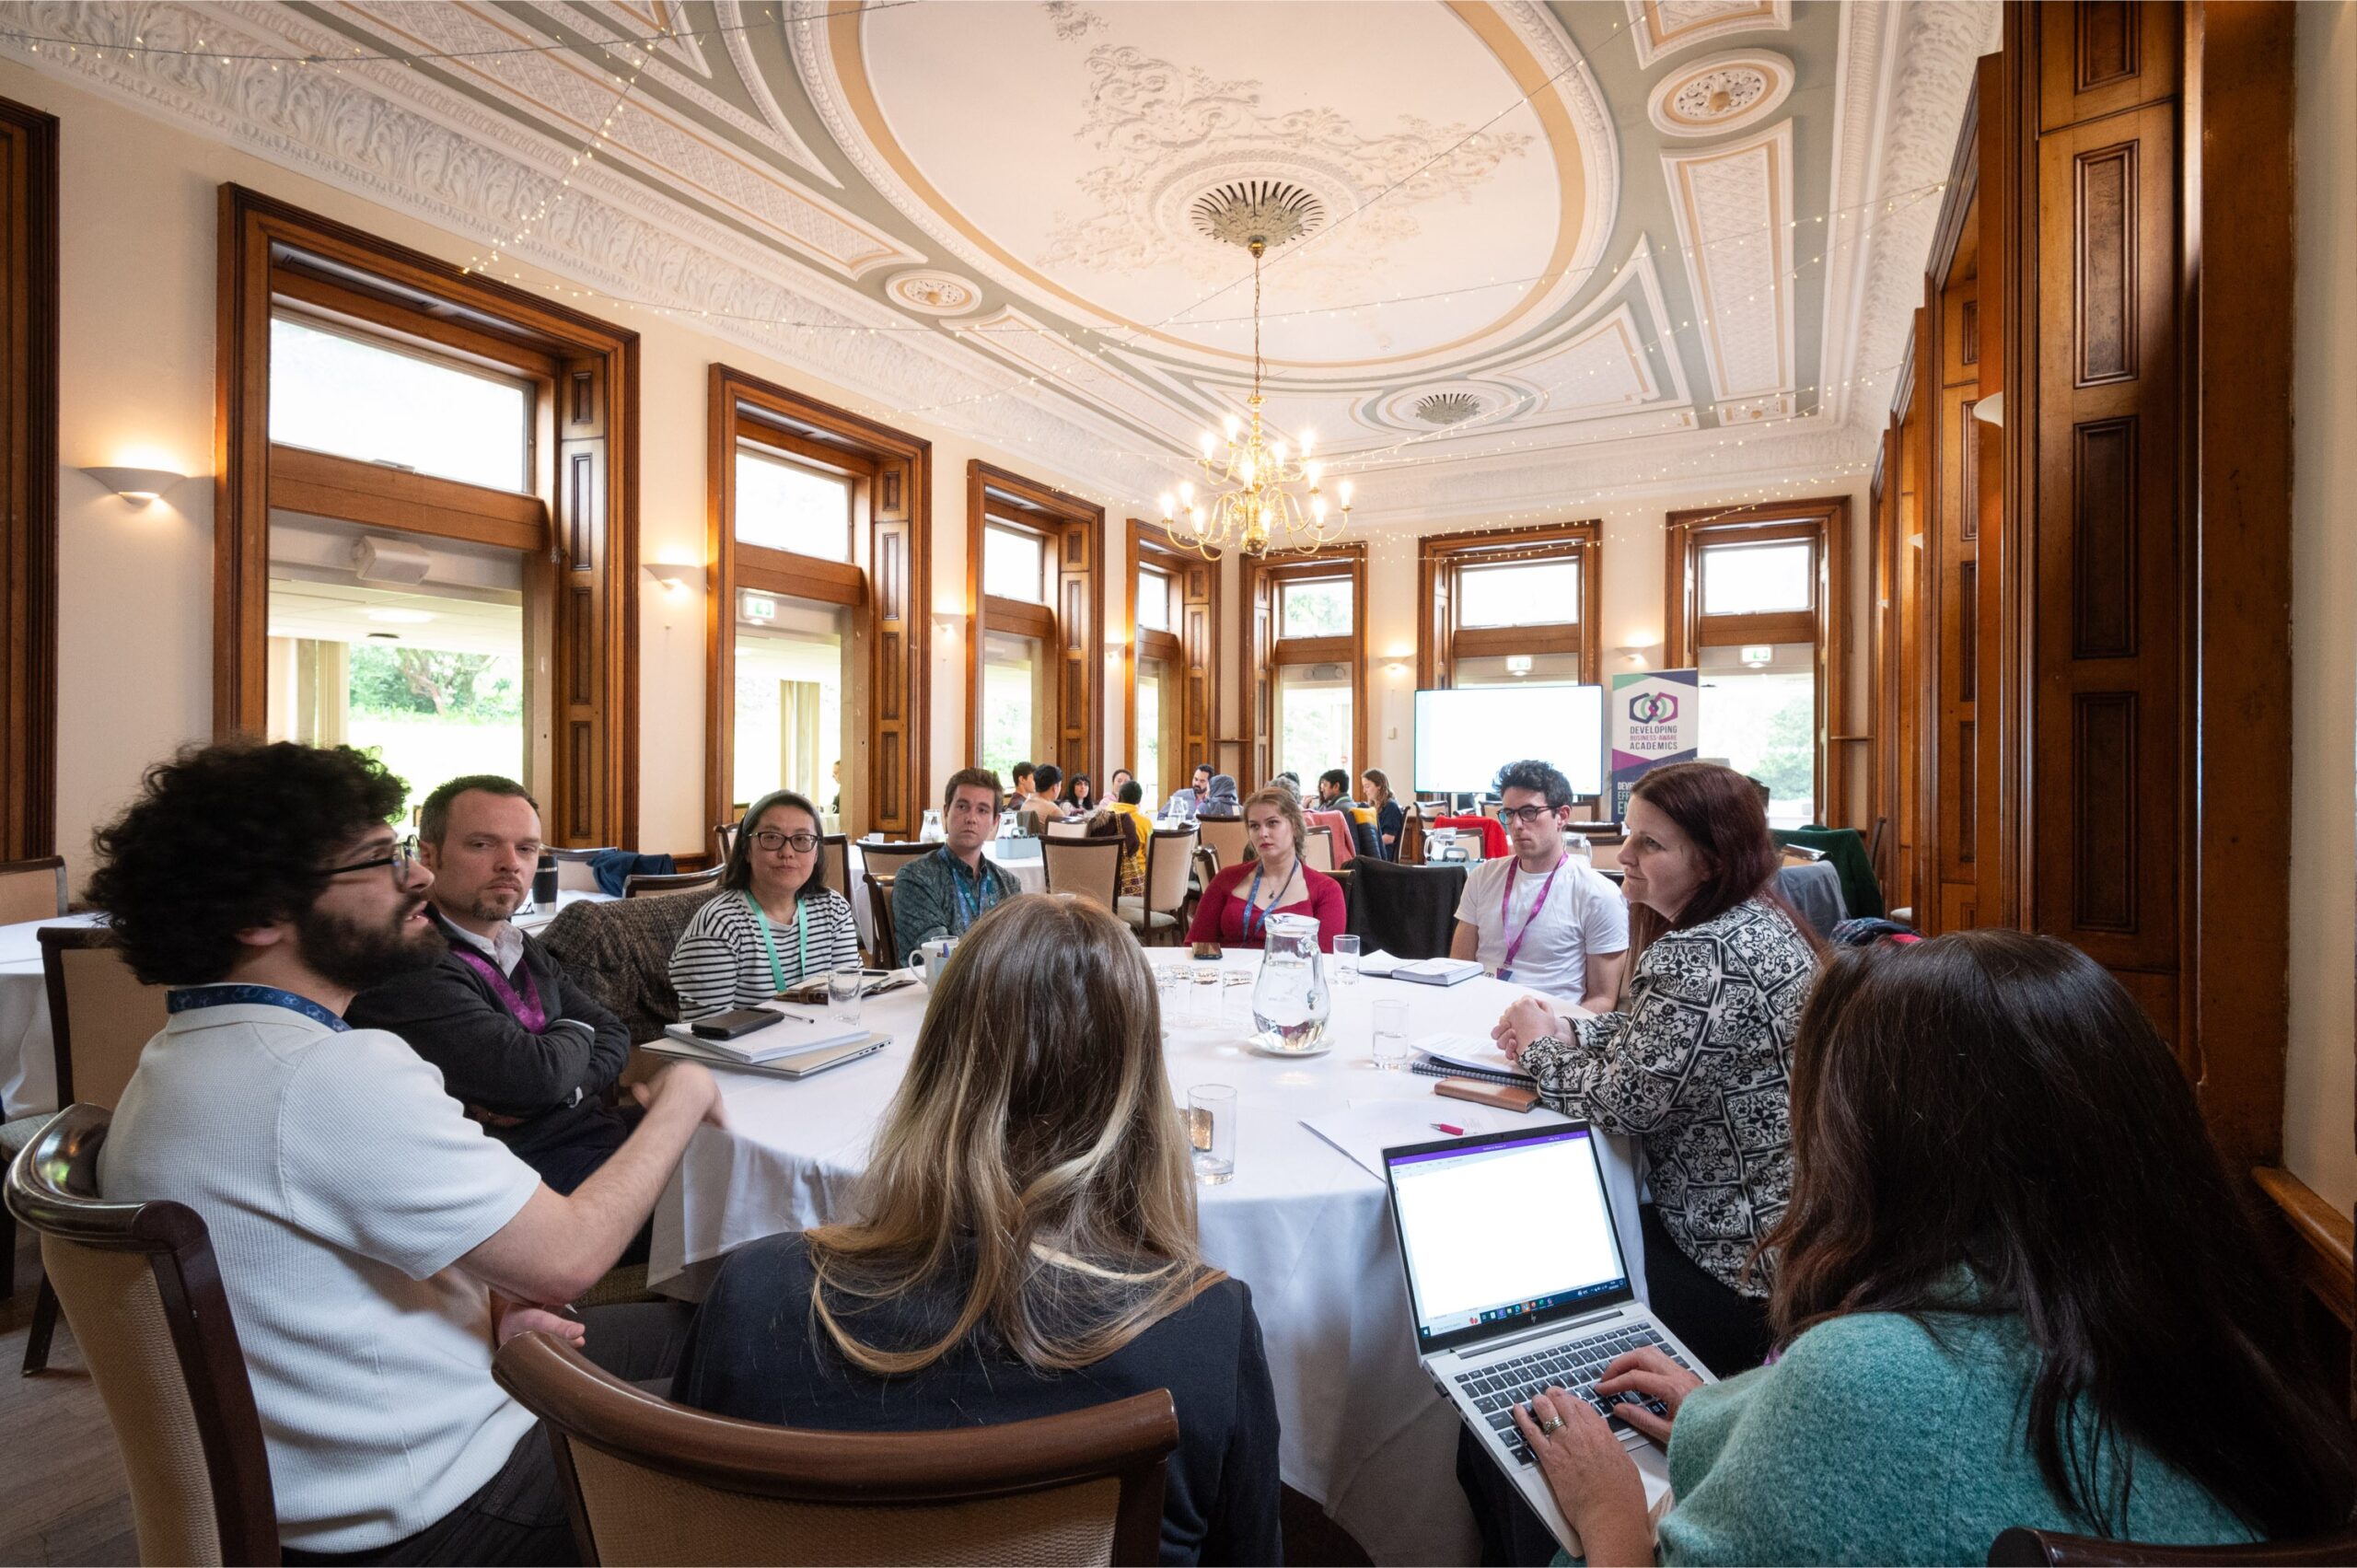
{"x":1654,"y":717}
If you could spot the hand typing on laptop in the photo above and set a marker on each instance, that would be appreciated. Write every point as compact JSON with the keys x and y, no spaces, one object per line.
{"x":1592,"y":1478}
{"x":1645,"y":1377}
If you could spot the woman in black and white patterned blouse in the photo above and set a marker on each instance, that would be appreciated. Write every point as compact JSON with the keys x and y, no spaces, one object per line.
{"x":773,"y":923}
{"x":1695,"y":1062}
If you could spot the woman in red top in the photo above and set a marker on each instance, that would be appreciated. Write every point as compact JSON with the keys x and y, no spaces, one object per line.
{"x":1234,"y":909}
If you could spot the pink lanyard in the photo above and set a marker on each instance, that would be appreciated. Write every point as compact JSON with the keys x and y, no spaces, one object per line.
{"x":527,"y":1007}
{"x":1505,"y":902}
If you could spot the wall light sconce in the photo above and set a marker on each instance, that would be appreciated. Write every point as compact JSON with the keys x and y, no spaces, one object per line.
{"x":675,"y":579}
{"x":1517,"y":664}
{"x":138,"y":486}
{"x":1991,"y":410}
{"x":1637,"y":655}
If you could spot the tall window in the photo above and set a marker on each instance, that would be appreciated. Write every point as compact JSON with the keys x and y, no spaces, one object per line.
{"x":1174,"y":620}
{"x":1509,"y":607}
{"x":1158,"y":730}
{"x":816,"y":665}
{"x":1307,"y":711}
{"x":424,"y":540}
{"x":1754,"y":608}
{"x":1035,"y":670}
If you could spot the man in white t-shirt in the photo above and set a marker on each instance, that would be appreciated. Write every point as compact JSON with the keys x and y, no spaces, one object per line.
{"x":1542,"y":917}
{"x":374,"y":1242}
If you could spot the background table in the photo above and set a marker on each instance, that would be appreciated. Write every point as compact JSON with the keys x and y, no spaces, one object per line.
{"x":1302,"y":1223}
{"x":1030,"y":874}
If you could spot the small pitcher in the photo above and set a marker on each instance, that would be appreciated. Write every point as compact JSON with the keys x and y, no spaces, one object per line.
{"x":1290,"y":1002}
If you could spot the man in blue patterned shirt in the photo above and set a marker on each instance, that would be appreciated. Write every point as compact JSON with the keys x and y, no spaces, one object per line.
{"x":943,"y":893}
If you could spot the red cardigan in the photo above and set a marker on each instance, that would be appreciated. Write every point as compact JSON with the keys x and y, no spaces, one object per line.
{"x":1219,"y":916}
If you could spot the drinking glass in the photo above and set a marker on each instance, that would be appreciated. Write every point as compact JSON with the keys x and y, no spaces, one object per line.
{"x":843,"y":992}
{"x":1204,"y":1008}
{"x":1167,"y":980}
{"x":1346,"y":960}
{"x":1391,"y":1036}
{"x":1210,"y":1132}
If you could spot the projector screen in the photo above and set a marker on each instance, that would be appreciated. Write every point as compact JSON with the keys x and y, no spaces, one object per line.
{"x":1464,"y":736}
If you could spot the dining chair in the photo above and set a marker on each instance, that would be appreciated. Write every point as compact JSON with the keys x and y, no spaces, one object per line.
{"x":648,"y":885}
{"x":1090,"y":868}
{"x":142,"y":1285}
{"x":1169,"y":856}
{"x":100,"y":1018}
{"x":650,"y":1481}
{"x":879,"y":906}
{"x":1226,"y":838}
{"x":1317,"y":852}
{"x":32,"y":889}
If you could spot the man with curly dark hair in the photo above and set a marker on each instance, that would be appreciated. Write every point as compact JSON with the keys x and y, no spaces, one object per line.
{"x":374,"y":1244}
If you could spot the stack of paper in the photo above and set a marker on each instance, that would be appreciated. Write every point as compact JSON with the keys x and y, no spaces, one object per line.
{"x":1474,"y":1051}
{"x":791,"y":1035}
{"x":1370,"y":1126}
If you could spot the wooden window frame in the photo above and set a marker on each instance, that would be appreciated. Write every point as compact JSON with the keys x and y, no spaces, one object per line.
{"x":1440,"y":641}
{"x":1188,"y":653}
{"x":28,"y":347}
{"x":1074,"y":623}
{"x":1824,"y":522}
{"x":579,"y":530}
{"x":886,"y":585}
{"x":1262,"y":580}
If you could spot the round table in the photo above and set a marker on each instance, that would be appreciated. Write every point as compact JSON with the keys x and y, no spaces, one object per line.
{"x":1303,"y":1224}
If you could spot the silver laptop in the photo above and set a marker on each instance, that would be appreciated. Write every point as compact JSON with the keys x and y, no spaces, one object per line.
{"x":1518,"y":1282}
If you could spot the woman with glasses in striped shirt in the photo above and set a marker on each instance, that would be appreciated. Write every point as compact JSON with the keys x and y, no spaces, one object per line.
{"x":774,"y":920}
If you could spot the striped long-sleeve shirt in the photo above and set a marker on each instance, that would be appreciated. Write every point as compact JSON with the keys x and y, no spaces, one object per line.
{"x":721,"y":961}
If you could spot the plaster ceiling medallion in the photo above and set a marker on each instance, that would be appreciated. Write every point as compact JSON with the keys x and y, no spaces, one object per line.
{"x":1447,"y":408}
{"x":1725,"y":92}
{"x":1662,"y":28}
{"x":1272,"y":211}
{"x":933,"y":294}
{"x":1448,"y":405}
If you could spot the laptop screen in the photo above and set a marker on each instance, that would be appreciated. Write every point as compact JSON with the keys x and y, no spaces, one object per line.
{"x":1503,"y":1232}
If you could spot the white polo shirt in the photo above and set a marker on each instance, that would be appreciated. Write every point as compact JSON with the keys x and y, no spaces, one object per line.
{"x":340,"y":1183}
{"x":1584,"y":913}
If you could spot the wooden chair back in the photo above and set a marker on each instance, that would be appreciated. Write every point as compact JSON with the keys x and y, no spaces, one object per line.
{"x":1066,"y":830}
{"x":834,"y":862}
{"x":649,"y":1482}
{"x":32,"y":889}
{"x":1089,"y":868}
{"x":681,"y":882}
{"x":1605,"y":854}
{"x":1226,"y":837}
{"x":2020,"y":1547}
{"x":724,"y":837}
{"x":576,"y":869}
{"x":879,"y":907}
{"x":101,"y":1016}
{"x":1169,"y":860}
{"x":884,"y":860}
{"x":1317,"y":850}
{"x":142,"y":1287}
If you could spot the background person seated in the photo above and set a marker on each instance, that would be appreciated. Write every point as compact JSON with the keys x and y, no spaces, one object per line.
{"x":1234,"y":911}
{"x":2000,"y":1314}
{"x":1541,"y":916}
{"x":1080,"y":796}
{"x":1045,"y":804}
{"x":775,"y":920}
{"x":1334,"y":791}
{"x":943,"y":893}
{"x":1219,"y":799}
{"x":1190,"y":800}
{"x":373,"y":1242}
{"x":1027,"y":1243}
{"x":1391,"y":820}
{"x":1130,"y":804}
{"x":528,"y":1053}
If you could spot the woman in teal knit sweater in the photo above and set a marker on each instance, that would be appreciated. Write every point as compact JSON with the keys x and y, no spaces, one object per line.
{"x":2015,"y":1286}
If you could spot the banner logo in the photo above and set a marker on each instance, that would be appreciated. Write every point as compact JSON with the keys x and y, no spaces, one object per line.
{"x":1653,"y":707}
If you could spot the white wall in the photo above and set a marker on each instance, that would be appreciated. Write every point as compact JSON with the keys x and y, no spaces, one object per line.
{"x":137,"y":262}
{"x":2320,"y":1073}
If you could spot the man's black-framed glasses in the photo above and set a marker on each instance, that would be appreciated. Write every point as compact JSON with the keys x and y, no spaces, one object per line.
{"x":403,"y":860}
{"x":1525,"y":815}
{"x":770,"y":842}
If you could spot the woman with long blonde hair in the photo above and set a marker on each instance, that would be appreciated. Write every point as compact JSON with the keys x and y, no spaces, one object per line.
{"x":1024,"y":1241}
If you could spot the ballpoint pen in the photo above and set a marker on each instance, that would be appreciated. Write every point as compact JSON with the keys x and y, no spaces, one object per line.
{"x":1444,"y":1127}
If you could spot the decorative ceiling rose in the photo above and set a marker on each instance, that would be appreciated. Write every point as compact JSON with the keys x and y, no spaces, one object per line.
{"x":1723,"y":93}
{"x":1276,"y":212}
{"x":1447,"y":408}
{"x":1258,"y":511}
{"x":935,"y":294}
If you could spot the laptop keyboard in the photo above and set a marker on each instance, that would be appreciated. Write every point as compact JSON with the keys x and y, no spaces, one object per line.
{"x":1495,"y":1389}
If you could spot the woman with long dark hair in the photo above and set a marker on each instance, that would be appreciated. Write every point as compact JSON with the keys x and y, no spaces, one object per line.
{"x":774,"y":920}
{"x":1693,"y":1060}
{"x":2015,"y":1286}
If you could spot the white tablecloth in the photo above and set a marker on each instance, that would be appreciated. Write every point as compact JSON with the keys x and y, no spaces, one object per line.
{"x":27,"y":1051}
{"x":1304,"y":1224}
{"x":1030,"y":874}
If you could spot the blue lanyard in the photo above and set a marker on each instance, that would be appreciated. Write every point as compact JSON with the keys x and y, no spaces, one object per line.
{"x":968,"y":911}
{"x":190,"y":999}
{"x":1251,"y":900}
{"x":768,"y":943}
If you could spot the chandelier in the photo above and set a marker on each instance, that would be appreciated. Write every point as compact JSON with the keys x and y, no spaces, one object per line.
{"x":1260,"y":496}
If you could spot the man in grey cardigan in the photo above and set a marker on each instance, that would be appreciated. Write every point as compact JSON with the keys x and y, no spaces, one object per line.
{"x":530,"y":1055}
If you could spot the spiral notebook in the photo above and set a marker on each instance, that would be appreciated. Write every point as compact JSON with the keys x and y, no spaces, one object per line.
{"x":1466,"y":1056}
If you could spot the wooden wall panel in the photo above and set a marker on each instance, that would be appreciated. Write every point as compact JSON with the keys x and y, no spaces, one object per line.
{"x":28,"y":350}
{"x":1198,"y":637}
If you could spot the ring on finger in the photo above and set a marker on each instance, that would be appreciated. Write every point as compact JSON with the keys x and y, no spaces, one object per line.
{"x":1552,"y":1424}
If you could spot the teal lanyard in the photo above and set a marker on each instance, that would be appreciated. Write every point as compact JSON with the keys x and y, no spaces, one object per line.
{"x":1251,"y":900}
{"x":769,"y":944}
{"x":968,"y":911}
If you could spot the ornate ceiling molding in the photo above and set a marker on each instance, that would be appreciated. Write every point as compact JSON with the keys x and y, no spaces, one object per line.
{"x":1722,"y":93}
{"x":1734,"y":205}
{"x":1662,"y":28}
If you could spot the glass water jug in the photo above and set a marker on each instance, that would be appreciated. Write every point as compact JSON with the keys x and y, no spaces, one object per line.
{"x":930,"y":832}
{"x":1290,"y":1002}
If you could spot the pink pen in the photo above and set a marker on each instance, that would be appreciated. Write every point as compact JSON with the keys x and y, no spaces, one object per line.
{"x":1444,"y":1127}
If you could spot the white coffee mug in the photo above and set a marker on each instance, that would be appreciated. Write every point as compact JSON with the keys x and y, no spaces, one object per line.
{"x":932,"y":955}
